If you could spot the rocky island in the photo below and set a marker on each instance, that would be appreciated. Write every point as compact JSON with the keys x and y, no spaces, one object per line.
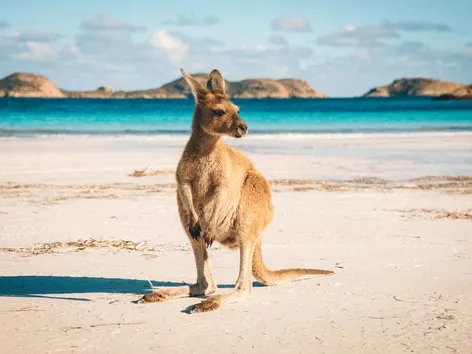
{"x":407,"y":87}
{"x":31,"y":85}
{"x":28,"y":85}
{"x":464,"y":93}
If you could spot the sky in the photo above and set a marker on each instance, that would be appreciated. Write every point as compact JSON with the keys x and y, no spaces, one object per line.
{"x":340,"y":47}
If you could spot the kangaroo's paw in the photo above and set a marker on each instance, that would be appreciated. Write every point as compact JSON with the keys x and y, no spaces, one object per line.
{"x":195,"y":230}
{"x":158,"y":296}
{"x":212,"y":303}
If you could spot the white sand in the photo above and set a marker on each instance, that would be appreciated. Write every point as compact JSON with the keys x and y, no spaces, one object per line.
{"x":402,"y":283}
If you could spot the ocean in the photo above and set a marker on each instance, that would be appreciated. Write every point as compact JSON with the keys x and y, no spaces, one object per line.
{"x":265,"y":117}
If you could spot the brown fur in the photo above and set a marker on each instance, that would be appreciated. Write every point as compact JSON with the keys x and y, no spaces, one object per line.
{"x":222,"y":197}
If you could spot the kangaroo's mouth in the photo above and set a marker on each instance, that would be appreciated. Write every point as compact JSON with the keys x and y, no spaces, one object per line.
{"x":239,"y":135}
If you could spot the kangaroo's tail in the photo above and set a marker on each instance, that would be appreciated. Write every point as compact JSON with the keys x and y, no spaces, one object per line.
{"x":274,"y":277}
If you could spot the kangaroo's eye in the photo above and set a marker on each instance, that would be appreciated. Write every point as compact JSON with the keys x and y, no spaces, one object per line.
{"x":219,"y":112}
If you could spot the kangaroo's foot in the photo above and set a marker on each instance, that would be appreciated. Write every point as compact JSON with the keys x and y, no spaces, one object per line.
{"x":215,"y":302}
{"x":211,"y":303}
{"x":162,"y":295}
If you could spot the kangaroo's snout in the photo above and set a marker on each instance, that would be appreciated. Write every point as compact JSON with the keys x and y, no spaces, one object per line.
{"x":242,"y":128}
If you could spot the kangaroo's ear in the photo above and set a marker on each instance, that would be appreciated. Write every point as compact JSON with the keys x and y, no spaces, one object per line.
{"x":216,"y":83}
{"x":199,"y":92}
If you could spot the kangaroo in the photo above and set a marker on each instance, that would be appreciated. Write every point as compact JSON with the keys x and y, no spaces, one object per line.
{"x":222,"y":197}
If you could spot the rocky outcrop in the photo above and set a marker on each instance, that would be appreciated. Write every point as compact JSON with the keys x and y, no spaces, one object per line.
{"x":19,"y":85}
{"x":101,"y":92}
{"x":415,"y":87}
{"x":464,"y":93}
{"x":299,"y":88}
{"x":250,"y":88}
{"x":265,"y":88}
{"x":28,"y":85}
{"x":105,"y":89}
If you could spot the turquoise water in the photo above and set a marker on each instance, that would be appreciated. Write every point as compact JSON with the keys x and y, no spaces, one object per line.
{"x":24,"y":116}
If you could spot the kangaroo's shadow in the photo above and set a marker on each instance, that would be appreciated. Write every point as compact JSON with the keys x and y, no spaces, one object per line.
{"x":44,"y":286}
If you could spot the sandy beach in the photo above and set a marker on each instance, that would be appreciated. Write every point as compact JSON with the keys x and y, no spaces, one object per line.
{"x":81,"y":239}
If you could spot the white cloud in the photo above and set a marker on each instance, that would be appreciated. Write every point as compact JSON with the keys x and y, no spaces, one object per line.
{"x":278,"y":40}
{"x":74,"y":50}
{"x":291,"y":23}
{"x":175,"y":48}
{"x":108,"y":23}
{"x":418,"y":26}
{"x":193,"y":20}
{"x":349,"y":28}
{"x":351,"y":36}
{"x":36,"y":36}
{"x":37,"y":51}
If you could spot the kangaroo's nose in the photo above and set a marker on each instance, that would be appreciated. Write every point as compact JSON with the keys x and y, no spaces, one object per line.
{"x":243,"y":128}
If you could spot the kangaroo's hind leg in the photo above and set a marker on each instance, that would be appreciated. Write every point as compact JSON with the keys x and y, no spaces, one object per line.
{"x":243,"y":285}
{"x":205,"y":283}
{"x":254,"y":215}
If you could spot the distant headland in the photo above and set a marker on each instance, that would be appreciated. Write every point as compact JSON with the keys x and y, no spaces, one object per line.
{"x":33,"y":85}
{"x":410,"y":87}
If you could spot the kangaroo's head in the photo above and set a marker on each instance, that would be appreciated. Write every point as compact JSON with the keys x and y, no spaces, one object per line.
{"x":214,"y":111}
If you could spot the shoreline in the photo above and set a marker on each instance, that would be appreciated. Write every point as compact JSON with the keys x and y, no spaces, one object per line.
{"x":99,"y":159}
{"x":34,"y":134}
{"x":433,"y":98}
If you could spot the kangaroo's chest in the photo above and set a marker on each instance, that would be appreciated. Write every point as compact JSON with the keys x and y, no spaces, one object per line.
{"x":216,"y":191}
{"x":208,"y":179}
